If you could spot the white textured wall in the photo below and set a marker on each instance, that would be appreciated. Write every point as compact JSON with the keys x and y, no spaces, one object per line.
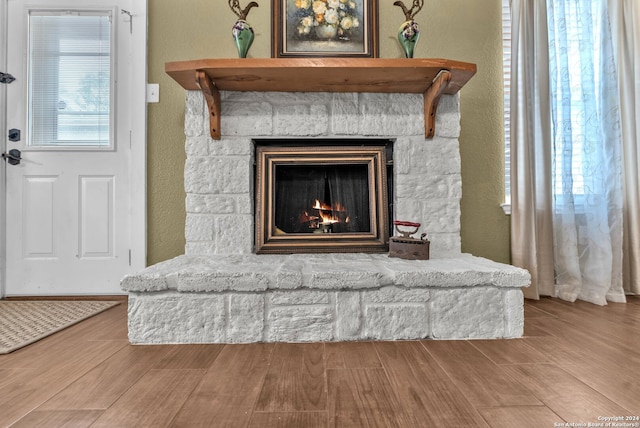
{"x":219,"y":174}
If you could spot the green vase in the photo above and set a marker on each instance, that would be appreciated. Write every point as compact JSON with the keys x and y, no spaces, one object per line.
{"x":243,"y":36}
{"x":408,"y":35}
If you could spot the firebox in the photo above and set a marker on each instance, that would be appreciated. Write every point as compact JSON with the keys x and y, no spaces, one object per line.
{"x":322,"y":198}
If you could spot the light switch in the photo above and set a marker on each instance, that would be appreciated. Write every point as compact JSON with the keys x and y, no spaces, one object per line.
{"x":153,"y":92}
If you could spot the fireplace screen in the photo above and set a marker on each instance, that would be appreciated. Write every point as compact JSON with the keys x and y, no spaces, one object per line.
{"x":321,"y":199}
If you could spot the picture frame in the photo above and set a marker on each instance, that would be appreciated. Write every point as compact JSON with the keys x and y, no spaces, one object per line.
{"x":324,"y":28}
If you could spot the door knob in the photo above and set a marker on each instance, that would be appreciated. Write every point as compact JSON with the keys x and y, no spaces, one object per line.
{"x":13,"y":157}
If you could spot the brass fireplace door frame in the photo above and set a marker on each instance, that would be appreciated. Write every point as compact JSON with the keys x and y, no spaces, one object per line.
{"x":267,"y":241}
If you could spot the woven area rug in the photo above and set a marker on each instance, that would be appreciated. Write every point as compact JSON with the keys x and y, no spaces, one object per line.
{"x":24,"y":322}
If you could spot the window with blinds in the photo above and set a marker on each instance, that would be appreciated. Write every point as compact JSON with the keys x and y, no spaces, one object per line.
{"x":569,"y":163}
{"x":576,"y":85}
{"x":506,"y":71}
{"x":70,"y":79}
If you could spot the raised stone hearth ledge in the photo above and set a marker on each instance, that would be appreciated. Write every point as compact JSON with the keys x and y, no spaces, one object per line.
{"x":323,"y":297}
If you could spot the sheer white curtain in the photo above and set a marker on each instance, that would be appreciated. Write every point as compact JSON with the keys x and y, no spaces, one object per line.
{"x":566,"y":174}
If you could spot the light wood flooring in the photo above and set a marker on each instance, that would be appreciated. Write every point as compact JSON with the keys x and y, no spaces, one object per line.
{"x":577,"y":362}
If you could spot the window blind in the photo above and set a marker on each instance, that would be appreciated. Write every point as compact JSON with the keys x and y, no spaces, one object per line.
{"x":506,"y":71}
{"x":70,"y":78}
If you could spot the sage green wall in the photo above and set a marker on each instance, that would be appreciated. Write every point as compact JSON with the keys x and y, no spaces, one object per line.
{"x":464,"y":30}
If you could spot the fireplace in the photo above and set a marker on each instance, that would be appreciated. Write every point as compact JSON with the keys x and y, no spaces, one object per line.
{"x":221,"y":291}
{"x":322,"y":196}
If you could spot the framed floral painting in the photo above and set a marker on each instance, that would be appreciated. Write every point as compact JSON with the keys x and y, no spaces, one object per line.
{"x":325,"y":28}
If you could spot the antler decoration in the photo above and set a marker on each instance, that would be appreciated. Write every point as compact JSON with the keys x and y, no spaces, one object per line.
{"x":410,"y":13}
{"x":242,"y":13}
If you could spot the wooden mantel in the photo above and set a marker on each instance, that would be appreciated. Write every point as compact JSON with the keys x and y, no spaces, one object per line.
{"x":431,"y":77}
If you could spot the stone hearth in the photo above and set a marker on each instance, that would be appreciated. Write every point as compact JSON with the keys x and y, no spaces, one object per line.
{"x":323,"y":297}
{"x":219,"y":291}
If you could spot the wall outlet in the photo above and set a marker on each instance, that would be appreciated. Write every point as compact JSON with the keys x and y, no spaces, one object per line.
{"x":153,"y":92}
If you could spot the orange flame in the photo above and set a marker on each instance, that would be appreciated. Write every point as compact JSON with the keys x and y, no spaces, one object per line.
{"x":337,"y":207}
{"x":327,"y":212}
{"x":328,"y":218}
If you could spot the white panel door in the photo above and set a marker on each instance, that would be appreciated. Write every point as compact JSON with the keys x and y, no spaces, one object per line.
{"x":70,"y":203}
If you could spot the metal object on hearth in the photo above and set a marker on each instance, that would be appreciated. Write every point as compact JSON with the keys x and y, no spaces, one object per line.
{"x":406,"y":247}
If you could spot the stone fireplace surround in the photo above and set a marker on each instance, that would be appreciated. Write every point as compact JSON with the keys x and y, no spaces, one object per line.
{"x":220,"y":292}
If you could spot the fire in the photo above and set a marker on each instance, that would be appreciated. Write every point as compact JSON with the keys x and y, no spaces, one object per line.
{"x":325,"y":216}
{"x":328,"y":218}
{"x":329,"y":213}
{"x":337,"y":207}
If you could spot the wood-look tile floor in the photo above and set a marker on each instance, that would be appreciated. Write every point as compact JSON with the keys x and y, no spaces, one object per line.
{"x":578,"y":363}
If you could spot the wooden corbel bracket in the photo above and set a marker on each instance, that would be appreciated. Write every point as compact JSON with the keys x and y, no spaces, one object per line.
{"x":212,"y":96}
{"x":432,"y":98}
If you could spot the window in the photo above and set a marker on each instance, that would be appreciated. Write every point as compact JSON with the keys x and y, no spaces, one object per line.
{"x":70,"y":79}
{"x":575,"y":58}
{"x":573,"y":93}
{"x":506,"y":70}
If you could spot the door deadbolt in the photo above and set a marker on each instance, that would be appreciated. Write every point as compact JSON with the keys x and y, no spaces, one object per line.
{"x":14,"y":135}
